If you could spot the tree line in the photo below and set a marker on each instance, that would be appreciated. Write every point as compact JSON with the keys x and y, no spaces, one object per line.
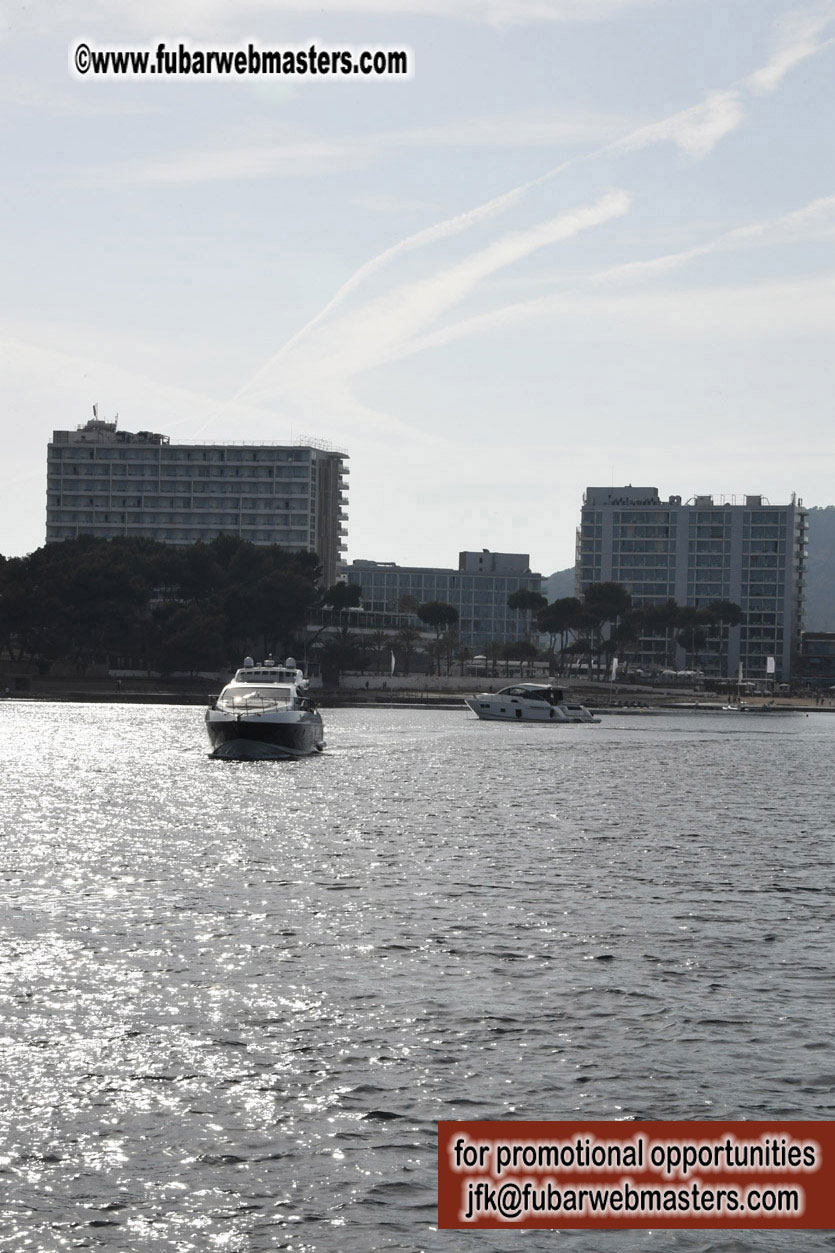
{"x":137,"y":604}
{"x":605,"y":624}
{"x":592,"y":629}
{"x":140,"y":604}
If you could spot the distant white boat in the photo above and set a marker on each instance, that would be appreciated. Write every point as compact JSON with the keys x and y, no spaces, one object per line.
{"x":528,"y":702}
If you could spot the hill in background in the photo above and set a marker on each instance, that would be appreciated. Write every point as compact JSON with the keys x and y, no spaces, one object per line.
{"x":820,"y":589}
{"x":558,"y":585}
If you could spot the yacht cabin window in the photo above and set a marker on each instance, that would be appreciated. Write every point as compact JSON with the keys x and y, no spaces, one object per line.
{"x":271,"y":692}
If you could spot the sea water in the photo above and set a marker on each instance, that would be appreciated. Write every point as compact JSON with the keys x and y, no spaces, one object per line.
{"x":238,"y":997}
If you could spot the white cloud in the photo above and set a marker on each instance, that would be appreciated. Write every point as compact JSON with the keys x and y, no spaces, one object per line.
{"x":381,"y":329}
{"x":798,"y":38}
{"x":814,"y":221}
{"x":297,"y":154}
{"x":386,"y":328}
{"x":434,"y":234}
{"x":741,"y":310}
{"x":696,"y":130}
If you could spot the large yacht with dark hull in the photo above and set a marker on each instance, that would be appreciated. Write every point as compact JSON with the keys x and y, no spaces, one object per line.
{"x":265,"y":713}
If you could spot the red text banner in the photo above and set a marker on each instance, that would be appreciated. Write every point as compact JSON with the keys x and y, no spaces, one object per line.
{"x":636,"y":1174}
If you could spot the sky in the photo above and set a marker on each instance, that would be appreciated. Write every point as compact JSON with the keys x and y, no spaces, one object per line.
{"x":583,"y":242}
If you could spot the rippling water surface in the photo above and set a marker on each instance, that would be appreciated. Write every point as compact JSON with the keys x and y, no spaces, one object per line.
{"x":238,"y":997}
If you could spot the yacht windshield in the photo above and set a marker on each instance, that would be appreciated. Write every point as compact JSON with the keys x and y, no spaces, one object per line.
{"x":256,"y":698}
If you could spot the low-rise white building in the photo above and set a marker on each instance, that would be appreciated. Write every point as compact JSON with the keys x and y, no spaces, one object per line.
{"x":478,"y":589}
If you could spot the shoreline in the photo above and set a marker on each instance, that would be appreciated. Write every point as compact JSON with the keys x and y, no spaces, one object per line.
{"x":634,"y":702}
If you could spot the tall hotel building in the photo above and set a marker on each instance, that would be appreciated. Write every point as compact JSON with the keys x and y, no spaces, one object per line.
{"x":106,"y":482}
{"x":751,"y":553}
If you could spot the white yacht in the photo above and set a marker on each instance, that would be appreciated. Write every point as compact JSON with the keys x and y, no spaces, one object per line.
{"x":265,"y":713}
{"x":528,"y":702}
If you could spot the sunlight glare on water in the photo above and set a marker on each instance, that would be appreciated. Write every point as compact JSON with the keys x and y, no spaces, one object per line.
{"x":238,"y":997}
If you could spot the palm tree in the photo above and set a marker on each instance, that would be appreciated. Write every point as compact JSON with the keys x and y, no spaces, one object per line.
{"x":452,"y":642}
{"x":335,"y":602}
{"x":526,"y":653}
{"x":436,"y":652}
{"x":727,"y":612}
{"x":493,"y":651}
{"x":522,"y":651}
{"x":694,"y":625}
{"x":407,"y":604}
{"x":625,"y":637}
{"x":604,"y":604}
{"x":438,"y":614}
{"x":720,"y":615}
{"x":559,"y":619}
{"x":527,"y":602}
{"x":337,"y":653}
{"x":379,"y":640}
{"x":663,"y":618}
{"x":406,"y":639}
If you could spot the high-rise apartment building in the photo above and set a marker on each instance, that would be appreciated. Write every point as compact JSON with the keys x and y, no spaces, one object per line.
{"x":698,"y":551}
{"x":107,"y":482}
{"x":478,"y":589}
